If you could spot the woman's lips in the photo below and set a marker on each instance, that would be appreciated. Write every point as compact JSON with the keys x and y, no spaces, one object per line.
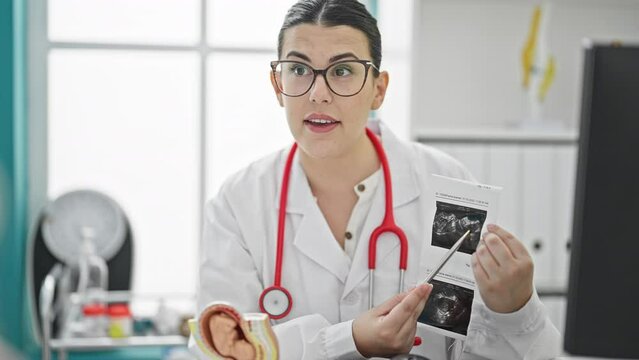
{"x":319,"y":116}
{"x":320,"y":127}
{"x":320,"y":123}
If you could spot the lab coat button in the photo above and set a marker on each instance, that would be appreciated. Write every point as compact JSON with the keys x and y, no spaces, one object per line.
{"x":348,"y":235}
{"x":361,"y":187}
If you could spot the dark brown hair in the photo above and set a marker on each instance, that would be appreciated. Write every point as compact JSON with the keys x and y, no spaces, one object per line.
{"x":334,"y":13}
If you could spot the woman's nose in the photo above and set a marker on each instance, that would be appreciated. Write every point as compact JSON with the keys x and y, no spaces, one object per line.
{"x":320,"y":93}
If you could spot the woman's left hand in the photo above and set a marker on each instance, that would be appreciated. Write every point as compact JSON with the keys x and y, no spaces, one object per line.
{"x":504,"y":271}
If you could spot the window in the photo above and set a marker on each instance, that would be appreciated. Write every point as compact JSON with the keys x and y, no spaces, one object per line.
{"x":126,"y":123}
{"x":141,"y":96}
{"x":161,"y":22}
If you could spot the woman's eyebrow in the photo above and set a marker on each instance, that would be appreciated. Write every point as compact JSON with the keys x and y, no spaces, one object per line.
{"x":342,"y":56}
{"x":332,"y":59}
{"x":299,"y":55}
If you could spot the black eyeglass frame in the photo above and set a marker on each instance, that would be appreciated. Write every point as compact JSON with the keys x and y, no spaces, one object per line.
{"x":367,"y":65}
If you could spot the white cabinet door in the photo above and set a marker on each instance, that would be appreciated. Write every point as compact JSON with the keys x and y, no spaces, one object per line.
{"x":505,"y":170}
{"x":538,"y":207}
{"x":564,"y":182}
{"x":475,"y":158}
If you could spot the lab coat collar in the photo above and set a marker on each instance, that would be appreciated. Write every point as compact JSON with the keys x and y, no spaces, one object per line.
{"x":403,"y":176}
{"x":313,"y":237}
{"x":313,"y":231}
{"x":405,"y":189}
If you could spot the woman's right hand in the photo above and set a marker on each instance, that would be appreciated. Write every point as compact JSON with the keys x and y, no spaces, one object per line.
{"x":389,"y":329}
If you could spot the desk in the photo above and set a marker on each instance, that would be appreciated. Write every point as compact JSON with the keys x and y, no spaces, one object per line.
{"x":63,"y":346}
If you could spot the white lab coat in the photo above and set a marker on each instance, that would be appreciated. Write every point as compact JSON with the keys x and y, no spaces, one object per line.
{"x":328,"y":290}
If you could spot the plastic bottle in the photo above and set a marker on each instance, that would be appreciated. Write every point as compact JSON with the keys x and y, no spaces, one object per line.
{"x":120,"y":321}
{"x":94,"y":320}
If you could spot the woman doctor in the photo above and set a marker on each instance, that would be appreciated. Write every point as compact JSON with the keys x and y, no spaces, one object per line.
{"x":327,"y":79}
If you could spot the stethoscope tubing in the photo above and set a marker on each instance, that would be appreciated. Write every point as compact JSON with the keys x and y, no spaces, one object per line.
{"x":282,"y":216}
{"x":388,"y":225}
{"x":279,"y":256}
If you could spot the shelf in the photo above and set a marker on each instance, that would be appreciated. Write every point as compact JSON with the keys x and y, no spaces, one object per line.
{"x":497,"y":135}
{"x":551,"y":290}
{"x":104,"y":343}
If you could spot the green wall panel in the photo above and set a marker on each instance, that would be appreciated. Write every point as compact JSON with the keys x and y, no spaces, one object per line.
{"x":13,"y":171}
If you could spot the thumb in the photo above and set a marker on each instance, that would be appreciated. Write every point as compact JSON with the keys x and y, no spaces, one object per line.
{"x":389,"y":304}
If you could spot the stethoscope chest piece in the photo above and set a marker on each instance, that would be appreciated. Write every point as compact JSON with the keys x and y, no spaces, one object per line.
{"x":276,"y":301}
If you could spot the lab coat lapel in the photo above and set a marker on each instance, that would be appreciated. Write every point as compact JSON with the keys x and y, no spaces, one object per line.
{"x":312,"y":237}
{"x":405,"y":189}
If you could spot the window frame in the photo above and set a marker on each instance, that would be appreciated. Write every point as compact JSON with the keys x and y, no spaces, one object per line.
{"x":39,"y":49}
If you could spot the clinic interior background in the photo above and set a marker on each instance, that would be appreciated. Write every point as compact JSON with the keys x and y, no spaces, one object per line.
{"x":156,"y":102}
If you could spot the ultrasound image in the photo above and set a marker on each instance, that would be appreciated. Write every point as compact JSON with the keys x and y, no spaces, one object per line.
{"x":452,"y":221}
{"x":448,"y":307}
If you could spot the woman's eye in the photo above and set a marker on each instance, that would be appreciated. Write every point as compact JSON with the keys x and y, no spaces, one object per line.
{"x":342,"y":71}
{"x":299,"y":70}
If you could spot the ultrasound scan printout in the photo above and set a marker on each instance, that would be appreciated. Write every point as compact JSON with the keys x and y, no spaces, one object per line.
{"x":458,"y":206}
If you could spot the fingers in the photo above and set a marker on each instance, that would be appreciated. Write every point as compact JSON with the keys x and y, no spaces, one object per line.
{"x":487,"y":261}
{"x":410,"y":307}
{"x":428,"y":288}
{"x":503,"y":270}
{"x":389,"y":304}
{"x":498,"y":249}
{"x":480,"y":273}
{"x":516,"y":247}
{"x":407,"y":333}
{"x":409,"y":327}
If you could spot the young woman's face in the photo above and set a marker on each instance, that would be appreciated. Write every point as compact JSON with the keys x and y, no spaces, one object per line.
{"x":319,"y":47}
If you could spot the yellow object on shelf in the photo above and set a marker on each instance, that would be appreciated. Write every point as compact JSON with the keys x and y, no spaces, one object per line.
{"x":120,"y":321}
{"x":538,"y":67}
{"x":528,"y":53}
{"x":549,"y":77}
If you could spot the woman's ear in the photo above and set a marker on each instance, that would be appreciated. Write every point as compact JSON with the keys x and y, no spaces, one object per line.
{"x":278,"y":93}
{"x":381,"y":84}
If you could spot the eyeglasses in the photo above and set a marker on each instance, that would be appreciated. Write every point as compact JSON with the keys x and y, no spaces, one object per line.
{"x":344,"y":78}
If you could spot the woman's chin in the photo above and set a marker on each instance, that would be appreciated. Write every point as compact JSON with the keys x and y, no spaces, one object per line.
{"x":320,"y":151}
{"x":322,"y":154}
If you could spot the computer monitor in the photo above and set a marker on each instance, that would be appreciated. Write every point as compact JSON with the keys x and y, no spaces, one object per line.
{"x":602,"y":317}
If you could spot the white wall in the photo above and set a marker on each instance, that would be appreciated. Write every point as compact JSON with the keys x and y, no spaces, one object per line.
{"x":395,"y":22}
{"x":467,"y":57}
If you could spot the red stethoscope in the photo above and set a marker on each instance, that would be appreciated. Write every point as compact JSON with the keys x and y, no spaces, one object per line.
{"x":275,"y":300}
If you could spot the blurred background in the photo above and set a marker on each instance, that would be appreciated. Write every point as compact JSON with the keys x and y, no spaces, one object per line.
{"x":155,"y":103}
